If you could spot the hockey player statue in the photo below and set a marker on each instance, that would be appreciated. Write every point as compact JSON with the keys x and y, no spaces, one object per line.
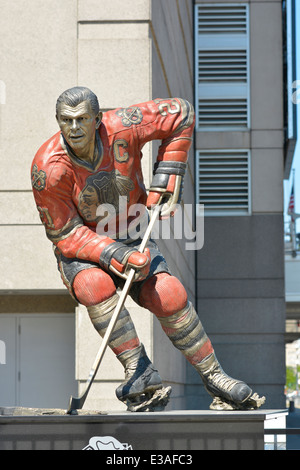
{"x":92,"y":161}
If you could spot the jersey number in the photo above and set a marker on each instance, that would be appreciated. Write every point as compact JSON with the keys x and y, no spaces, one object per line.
{"x":172,"y":108}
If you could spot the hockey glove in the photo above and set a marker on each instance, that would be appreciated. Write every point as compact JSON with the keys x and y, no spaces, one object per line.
{"x":120,"y":258}
{"x":167,"y":185}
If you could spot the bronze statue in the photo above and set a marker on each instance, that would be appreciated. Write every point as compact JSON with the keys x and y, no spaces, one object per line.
{"x":95,"y":161}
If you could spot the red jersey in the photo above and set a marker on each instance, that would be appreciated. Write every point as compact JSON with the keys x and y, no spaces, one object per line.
{"x":68,"y":191}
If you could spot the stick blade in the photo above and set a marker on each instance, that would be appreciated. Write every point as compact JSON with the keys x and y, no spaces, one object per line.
{"x":75,"y":404}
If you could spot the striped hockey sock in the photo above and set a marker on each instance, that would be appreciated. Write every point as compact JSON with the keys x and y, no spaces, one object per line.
{"x":187,"y":334}
{"x":124,"y":336}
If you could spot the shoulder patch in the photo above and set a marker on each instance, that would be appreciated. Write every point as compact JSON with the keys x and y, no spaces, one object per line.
{"x":130,"y":116}
{"x":38,"y":178}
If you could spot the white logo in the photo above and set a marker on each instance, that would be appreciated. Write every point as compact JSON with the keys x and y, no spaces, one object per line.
{"x":179,"y":227}
{"x":106,"y":443}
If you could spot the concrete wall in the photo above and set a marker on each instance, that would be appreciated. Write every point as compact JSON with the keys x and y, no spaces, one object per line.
{"x":38,"y":59}
{"x":241,"y":267}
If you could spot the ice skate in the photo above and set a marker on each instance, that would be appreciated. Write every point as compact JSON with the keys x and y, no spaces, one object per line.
{"x":228,"y":393}
{"x":252,"y":403}
{"x":142,"y":389}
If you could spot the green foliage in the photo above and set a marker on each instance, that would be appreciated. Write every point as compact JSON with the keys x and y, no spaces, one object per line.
{"x":291,"y":379}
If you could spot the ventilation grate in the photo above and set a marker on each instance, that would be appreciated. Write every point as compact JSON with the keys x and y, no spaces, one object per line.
{"x":222,"y":66}
{"x":223,"y":181}
{"x":223,"y":113}
{"x":220,"y":19}
{"x":225,"y":66}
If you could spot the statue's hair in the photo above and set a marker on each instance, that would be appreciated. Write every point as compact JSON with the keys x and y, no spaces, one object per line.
{"x":76,"y":95}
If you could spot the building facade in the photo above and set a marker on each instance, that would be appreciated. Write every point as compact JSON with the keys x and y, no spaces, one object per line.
{"x":240,"y":148}
{"x":227,"y":58}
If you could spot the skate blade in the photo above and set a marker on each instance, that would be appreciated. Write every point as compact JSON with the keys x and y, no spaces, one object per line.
{"x":252,"y":403}
{"x":150,"y":402}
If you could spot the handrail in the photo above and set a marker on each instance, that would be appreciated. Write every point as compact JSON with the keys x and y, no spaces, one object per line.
{"x":283,"y":431}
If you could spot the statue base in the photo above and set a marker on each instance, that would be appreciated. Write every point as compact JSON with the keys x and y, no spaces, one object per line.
{"x":172,"y":431}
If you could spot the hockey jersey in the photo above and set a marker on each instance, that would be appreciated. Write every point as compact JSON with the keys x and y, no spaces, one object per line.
{"x":75,"y":197}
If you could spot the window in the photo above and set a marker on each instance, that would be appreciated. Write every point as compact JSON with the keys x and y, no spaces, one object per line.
{"x":223,"y":183}
{"x":222,"y":67}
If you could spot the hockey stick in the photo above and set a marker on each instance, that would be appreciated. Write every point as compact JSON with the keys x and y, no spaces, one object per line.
{"x":77,"y":403}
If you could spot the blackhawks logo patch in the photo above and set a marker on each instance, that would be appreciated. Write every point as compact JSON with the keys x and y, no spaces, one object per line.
{"x":130,"y":116}
{"x":38,"y":178}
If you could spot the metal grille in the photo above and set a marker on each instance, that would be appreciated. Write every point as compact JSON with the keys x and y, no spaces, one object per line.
{"x":221,"y":19}
{"x":227,"y":112}
{"x":222,"y":65}
{"x":223,"y":181}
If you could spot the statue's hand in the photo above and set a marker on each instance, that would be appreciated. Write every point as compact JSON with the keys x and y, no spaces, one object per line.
{"x":166,"y":187}
{"x":120,"y":258}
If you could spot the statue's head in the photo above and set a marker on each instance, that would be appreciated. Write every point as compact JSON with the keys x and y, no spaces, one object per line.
{"x":78,"y":116}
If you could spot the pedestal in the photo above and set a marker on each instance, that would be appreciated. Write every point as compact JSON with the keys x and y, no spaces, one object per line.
{"x":173,"y":431}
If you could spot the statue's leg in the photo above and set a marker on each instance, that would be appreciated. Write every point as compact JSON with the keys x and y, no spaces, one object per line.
{"x":165,"y":296}
{"x":95,"y":289}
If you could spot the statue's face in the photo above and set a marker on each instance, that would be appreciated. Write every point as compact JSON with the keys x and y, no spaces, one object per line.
{"x":78,"y":125}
